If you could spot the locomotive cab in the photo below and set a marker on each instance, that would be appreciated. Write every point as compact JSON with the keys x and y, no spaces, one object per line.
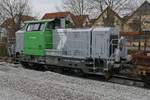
{"x":37,"y":37}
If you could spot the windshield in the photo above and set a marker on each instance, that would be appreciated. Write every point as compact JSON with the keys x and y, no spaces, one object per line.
{"x":35,"y":27}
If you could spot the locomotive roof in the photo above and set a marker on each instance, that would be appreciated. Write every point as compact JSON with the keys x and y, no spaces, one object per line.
{"x":38,"y":21}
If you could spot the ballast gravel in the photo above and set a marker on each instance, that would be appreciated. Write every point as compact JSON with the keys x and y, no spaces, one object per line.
{"x":17,"y":83}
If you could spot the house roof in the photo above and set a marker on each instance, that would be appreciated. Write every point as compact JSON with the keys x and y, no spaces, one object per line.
{"x":129,"y":33}
{"x":79,"y":20}
{"x":27,"y":18}
{"x":9,"y":21}
{"x":107,"y":9}
{"x":92,"y":21}
{"x":6,"y":22}
{"x":56,"y":15}
{"x":125,"y":18}
{"x":140,"y":10}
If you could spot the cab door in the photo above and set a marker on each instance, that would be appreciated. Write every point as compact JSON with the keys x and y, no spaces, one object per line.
{"x":34,"y":39}
{"x":48,"y":35}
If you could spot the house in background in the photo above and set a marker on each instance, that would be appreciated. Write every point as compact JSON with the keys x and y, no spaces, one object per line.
{"x":139,"y":20}
{"x":10,"y":27}
{"x":62,"y":19}
{"x":137,"y":26}
{"x":80,"y":21}
{"x":108,"y":18}
{"x":68,"y":20}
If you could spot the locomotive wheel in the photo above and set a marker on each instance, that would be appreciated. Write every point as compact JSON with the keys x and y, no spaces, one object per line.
{"x":40,"y":67}
{"x":58,"y":70}
{"x":25,"y":64}
{"x":79,"y":73}
{"x":107,"y":76}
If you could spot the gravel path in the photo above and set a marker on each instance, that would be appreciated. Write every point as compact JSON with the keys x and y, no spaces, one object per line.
{"x":26,"y":84}
{"x":10,"y":94}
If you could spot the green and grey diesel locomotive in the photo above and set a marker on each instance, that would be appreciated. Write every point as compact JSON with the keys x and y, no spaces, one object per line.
{"x":99,"y":51}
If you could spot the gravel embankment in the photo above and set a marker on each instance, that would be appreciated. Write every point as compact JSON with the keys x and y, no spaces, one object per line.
{"x":22,"y":84}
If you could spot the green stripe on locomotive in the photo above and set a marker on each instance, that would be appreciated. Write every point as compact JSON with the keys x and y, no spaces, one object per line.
{"x":37,"y":38}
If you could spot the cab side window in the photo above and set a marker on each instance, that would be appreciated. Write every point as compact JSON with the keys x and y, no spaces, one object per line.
{"x":35,"y":27}
{"x":50,"y":25}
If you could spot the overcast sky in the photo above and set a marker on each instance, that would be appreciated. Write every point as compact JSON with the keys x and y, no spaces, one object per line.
{"x":40,"y":7}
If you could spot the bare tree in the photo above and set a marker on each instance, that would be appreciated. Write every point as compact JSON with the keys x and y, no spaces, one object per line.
{"x":113,"y":4}
{"x":92,"y":7}
{"x":78,"y":7}
{"x":14,"y":9}
{"x":117,"y":5}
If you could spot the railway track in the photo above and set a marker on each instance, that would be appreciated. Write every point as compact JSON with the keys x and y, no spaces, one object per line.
{"x":127,"y":81}
{"x":122,"y":80}
{"x":117,"y":79}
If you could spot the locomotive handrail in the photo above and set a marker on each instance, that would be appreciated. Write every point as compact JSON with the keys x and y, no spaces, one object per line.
{"x":111,"y":43}
{"x":111,"y":58}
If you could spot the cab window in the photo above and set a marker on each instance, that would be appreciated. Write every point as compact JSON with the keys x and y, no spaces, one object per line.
{"x":50,"y":25}
{"x":35,"y":27}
